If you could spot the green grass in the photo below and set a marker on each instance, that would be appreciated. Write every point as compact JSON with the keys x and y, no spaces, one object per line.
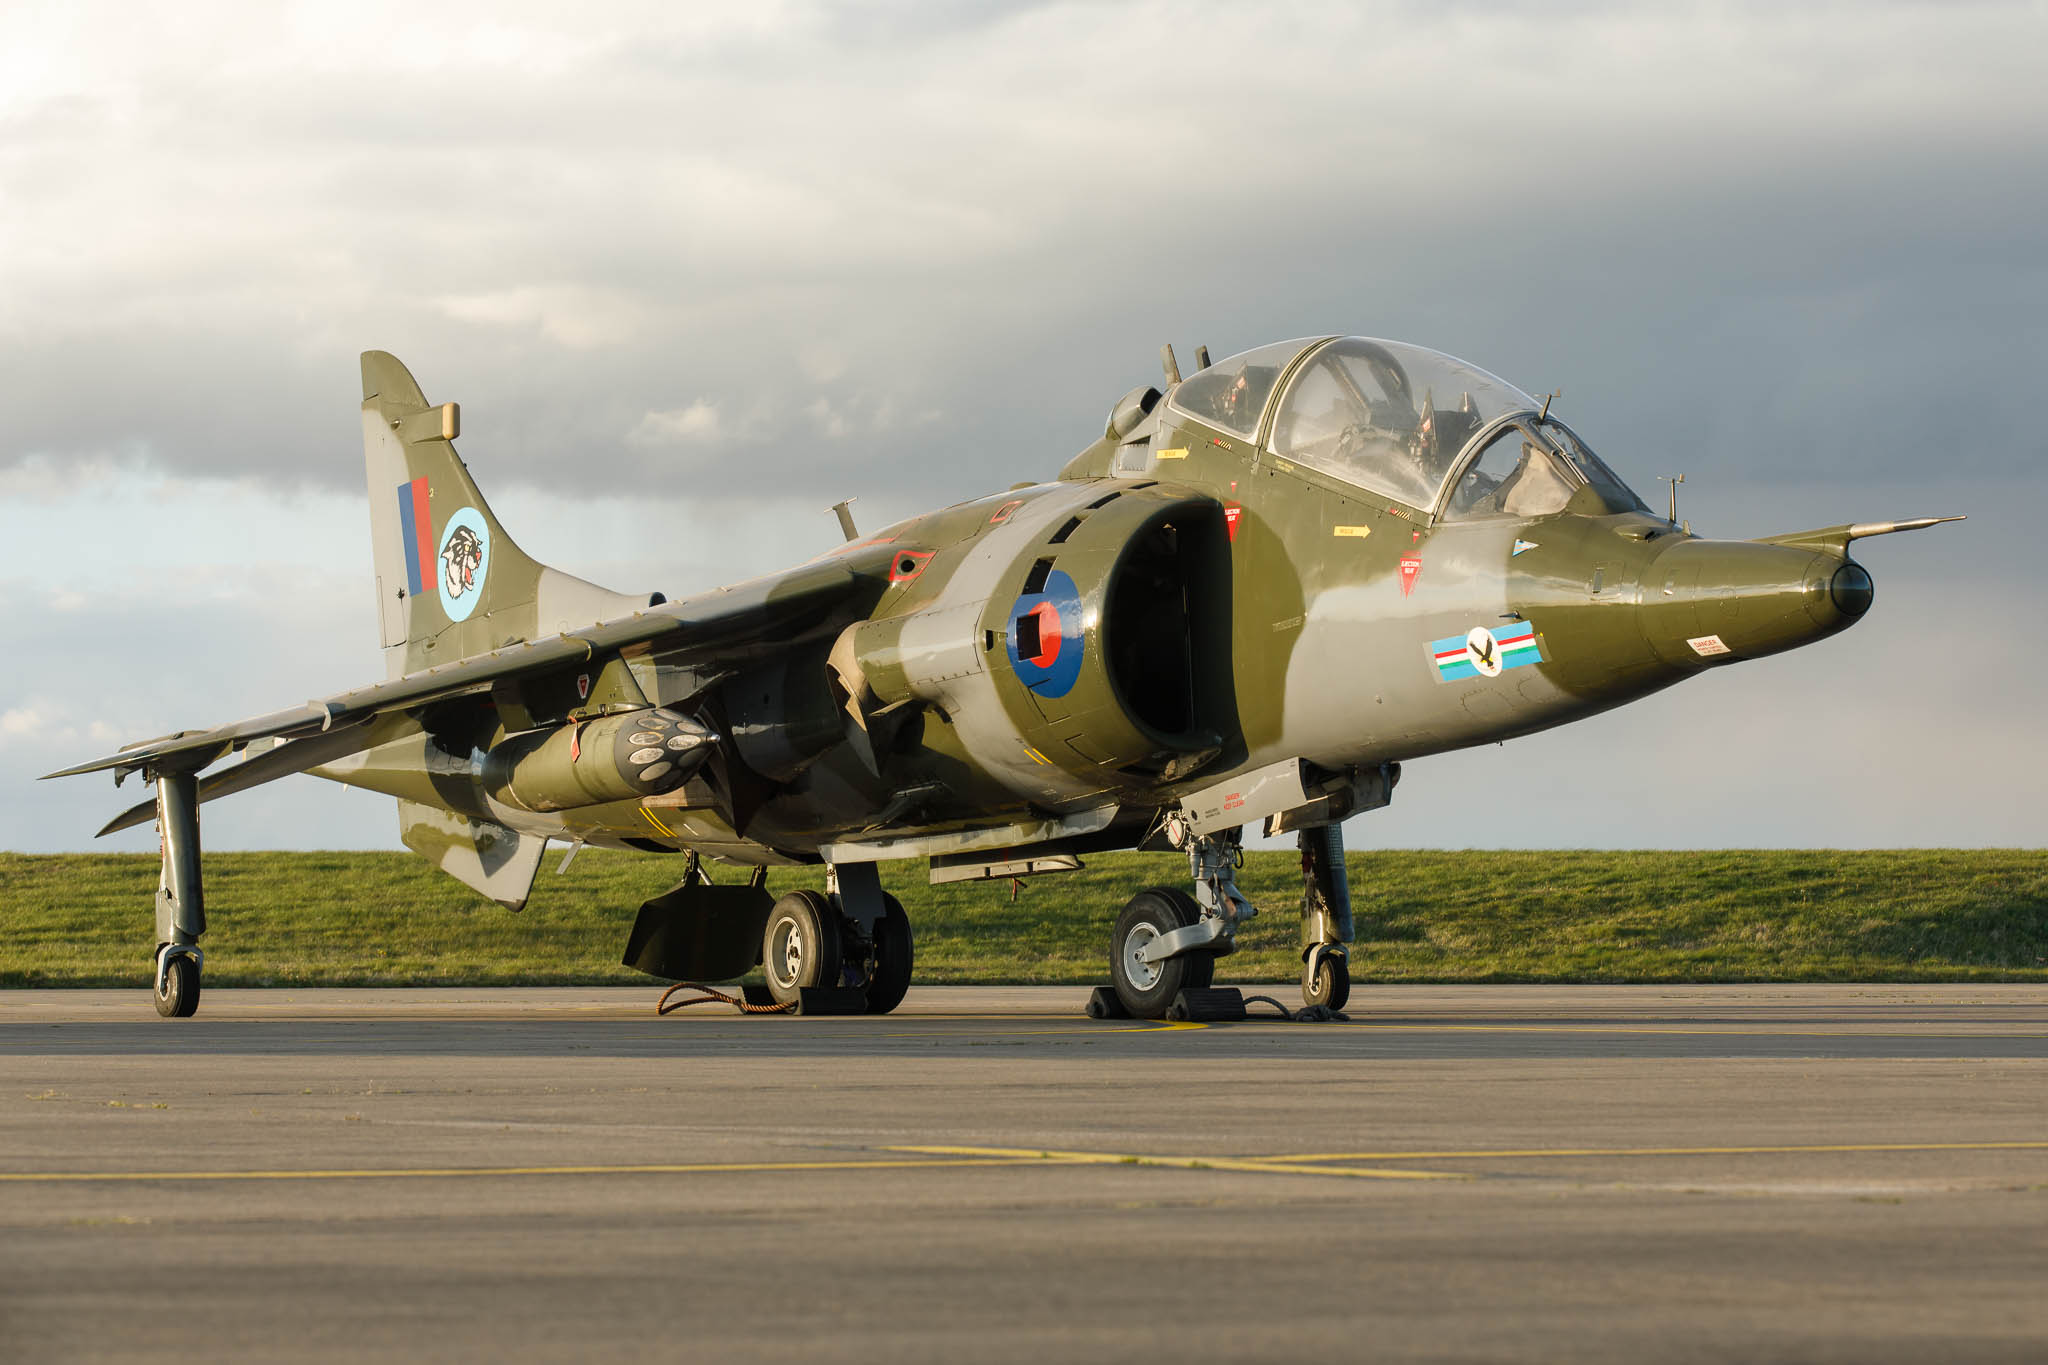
{"x":303,"y":919}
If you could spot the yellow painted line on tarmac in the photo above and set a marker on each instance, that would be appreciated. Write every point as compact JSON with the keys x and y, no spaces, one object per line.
{"x":471,"y":1172}
{"x":1149,"y":1026}
{"x":1734,"y":1031}
{"x":1792,"y":1149}
{"x":1259,"y":1165}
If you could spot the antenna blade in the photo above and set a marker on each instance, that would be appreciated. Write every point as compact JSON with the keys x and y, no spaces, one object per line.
{"x":1169,"y":364}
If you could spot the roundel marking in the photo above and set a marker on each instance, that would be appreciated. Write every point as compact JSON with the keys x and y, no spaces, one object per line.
{"x":1049,"y":637}
{"x":1048,"y":623}
{"x":465,"y":560}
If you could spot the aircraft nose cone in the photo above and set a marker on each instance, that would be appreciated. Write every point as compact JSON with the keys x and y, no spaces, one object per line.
{"x":1709,"y":601}
{"x":1852,"y":589}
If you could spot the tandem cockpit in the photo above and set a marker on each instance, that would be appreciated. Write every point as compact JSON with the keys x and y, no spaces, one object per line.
{"x":1423,"y":428}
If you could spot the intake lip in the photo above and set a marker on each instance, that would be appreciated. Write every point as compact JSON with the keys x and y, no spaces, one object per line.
{"x":1851,"y":589}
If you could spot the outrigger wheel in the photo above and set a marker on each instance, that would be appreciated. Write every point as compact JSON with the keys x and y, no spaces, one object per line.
{"x":177,"y":991}
{"x":1326,"y":977}
{"x":1147,"y":988}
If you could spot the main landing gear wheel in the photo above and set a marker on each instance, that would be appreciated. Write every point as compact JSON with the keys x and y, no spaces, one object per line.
{"x":1326,"y":979}
{"x":1147,"y":988}
{"x":178,"y":996}
{"x":801,"y":945}
{"x":888,"y":966}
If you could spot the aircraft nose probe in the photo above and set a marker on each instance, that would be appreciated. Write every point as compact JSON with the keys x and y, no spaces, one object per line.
{"x":1706,"y":599}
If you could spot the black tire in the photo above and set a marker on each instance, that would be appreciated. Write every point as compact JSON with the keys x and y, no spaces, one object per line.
{"x":1329,"y":985}
{"x":894,"y":956}
{"x":800,"y":945}
{"x":1146,"y":989}
{"x":179,"y":998}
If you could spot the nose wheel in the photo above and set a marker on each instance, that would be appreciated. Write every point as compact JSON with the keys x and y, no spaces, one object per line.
{"x":1145,"y":983}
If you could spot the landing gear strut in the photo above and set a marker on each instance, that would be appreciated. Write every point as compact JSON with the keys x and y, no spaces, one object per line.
{"x":1325,"y":917}
{"x":1167,"y":941}
{"x":180,"y":905}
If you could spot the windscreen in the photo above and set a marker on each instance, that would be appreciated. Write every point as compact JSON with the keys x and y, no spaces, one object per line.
{"x":1604,"y":480}
{"x":1514,"y":476}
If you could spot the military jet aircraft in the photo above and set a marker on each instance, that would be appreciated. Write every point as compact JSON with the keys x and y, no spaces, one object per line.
{"x":1263,"y":589}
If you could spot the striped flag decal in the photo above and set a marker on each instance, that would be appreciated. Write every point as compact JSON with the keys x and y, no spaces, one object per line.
{"x":416,"y":530}
{"x":1516,"y":645}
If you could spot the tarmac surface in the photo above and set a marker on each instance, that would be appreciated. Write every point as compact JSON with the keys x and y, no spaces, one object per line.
{"x":1853,"y":1173}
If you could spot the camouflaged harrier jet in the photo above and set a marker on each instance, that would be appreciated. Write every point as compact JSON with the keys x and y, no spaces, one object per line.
{"x":1262,"y":590}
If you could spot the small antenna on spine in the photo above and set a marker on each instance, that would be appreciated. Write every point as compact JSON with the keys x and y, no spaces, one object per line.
{"x":1169,"y":364}
{"x":1674,"y":480}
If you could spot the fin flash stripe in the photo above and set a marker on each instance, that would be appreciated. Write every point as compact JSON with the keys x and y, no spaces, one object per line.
{"x":415,"y":529}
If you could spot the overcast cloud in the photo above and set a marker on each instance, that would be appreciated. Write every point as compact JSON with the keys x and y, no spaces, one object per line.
{"x":695,"y":273}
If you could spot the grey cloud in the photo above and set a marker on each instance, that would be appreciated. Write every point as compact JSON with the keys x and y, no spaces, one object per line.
{"x":998,"y":218}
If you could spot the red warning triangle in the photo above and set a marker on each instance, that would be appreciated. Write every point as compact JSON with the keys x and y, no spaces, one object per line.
{"x":1411,"y":566}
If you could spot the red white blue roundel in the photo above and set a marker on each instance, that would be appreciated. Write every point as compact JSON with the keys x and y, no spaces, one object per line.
{"x":1045,"y":638}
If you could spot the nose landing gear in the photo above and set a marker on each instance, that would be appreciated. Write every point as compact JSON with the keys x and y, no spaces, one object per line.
{"x":1167,"y":941}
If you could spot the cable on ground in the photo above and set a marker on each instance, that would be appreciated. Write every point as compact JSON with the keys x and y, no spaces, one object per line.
{"x":1308,"y":1014}
{"x":711,"y":996}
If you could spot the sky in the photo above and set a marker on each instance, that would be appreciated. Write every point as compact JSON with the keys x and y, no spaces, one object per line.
{"x":695,"y":273}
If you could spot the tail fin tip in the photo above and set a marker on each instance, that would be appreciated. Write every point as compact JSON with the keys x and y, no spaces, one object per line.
{"x":385,"y":376}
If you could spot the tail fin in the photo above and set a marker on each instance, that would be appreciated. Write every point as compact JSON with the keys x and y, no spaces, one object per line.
{"x":450,"y":581}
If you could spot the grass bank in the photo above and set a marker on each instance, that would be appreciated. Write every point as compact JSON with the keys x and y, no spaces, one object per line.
{"x":304,"y":919}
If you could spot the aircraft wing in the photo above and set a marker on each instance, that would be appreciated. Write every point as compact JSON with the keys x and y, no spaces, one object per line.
{"x":290,"y":756}
{"x":703,"y":627}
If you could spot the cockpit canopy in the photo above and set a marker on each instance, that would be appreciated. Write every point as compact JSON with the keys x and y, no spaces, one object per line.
{"x":1400,"y":420}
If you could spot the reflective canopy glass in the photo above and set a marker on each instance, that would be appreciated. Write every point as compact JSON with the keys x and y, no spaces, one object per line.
{"x":1603,"y":479}
{"x":1231,"y":394}
{"x":1388,"y":416}
{"x":1532,"y":470}
{"x":1514,"y":476}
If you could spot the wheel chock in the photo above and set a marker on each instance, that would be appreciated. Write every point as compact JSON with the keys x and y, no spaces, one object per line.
{"x":758,"y":995}
{"x":1206,"y":1004}
{"x":1103,"y":1003}
{"x":831,"y":1000}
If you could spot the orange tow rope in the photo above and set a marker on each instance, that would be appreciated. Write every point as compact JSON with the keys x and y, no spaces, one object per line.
{"x":711,"y":996}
